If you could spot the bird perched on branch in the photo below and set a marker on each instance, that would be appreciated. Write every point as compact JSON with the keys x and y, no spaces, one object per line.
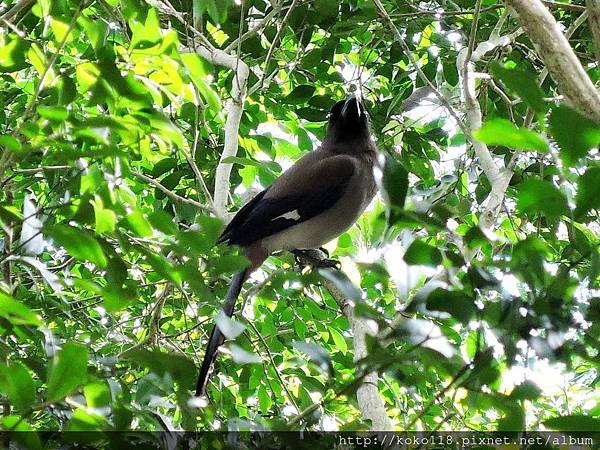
{"x":312,"y":202}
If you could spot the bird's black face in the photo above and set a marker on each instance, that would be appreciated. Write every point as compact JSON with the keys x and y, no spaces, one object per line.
{"x":348,"y":120}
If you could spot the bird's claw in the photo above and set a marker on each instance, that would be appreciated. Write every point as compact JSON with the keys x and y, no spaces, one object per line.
{"x":314,"y":257}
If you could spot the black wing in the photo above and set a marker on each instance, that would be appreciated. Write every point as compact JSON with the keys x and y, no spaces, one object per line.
{"x":265,"y":215}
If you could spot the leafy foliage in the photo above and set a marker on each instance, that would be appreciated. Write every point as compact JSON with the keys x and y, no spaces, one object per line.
{"x":111,"y":131}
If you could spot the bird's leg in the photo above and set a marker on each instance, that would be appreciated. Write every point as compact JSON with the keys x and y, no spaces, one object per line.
{"x":315,"y":257}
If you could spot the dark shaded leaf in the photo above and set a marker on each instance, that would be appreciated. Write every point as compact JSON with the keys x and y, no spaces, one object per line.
{"x":537,"y":196}
{"x":456,"y":303}
{"x":395,"y":183}
{"x":420,"y":253}
{"x":300,"y":94}
{"x":588,"y":192}
{"x":574,"y":133}
{"x":523,"y":84}
{"x":573,"y":423}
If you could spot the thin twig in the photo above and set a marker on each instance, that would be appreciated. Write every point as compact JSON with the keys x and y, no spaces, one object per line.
{"x":172,"y":195}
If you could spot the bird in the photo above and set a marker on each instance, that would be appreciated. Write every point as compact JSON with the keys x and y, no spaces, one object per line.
{"x":312,"y":202}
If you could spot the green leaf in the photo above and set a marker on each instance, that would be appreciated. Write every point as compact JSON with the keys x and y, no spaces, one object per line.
{"x":300,"y":94}
{"x":82,"y":420}
{"x":79,"y":243}
{"x":146,"y":34}
{"x":312,"y":114}
{"x":138,"y":223}
{"x":12,"y":53}
{"x":537,"y":196}
{"x":96,"y":30}
{"x":575,"y":134}
{"x":304,"y":142}
{"x":456,"y":303}
{"x":338,"y":340}
{"x":10,"y":143}
{"x":420,"y":253}
{"x":68,"y":371}
{"x":504,"y":132}
{"x":527,"y":390}
{"x":395,"y":183}
{"x":16,"y":382}
{"x":523,"y":84}
{"x":16,"y":312}
{"x":327,"y":9}
{"x":230,"y":263}
{"x":180,"y":367}
{"x":198,"y":67}
{"x":573,"y":423}
{"x":217,"y":10}
{"x":53,"y":113}
{"x":105,"y":218}
{"x":588,"y":192}
{"x":264,"y":399}
{"x":25,"y":436}
{"x":162,"y":222}
{"x":97,"y":394}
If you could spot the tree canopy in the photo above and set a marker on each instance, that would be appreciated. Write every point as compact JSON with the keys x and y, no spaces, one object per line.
{"x":468,"y":294}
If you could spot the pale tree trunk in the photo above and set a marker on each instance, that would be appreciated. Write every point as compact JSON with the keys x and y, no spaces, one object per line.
{"x":558,"y":56}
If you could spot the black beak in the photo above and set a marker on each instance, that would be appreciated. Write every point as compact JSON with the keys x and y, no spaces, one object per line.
{"x":352,"y":109}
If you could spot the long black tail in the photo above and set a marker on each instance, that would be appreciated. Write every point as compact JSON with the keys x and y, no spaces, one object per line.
{"x":216,"y":337}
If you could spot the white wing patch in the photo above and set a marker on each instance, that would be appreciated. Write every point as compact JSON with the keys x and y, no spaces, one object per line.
{"x":291,"y":215}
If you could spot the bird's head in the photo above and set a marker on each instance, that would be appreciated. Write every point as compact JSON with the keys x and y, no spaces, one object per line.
{"x":347,"y":122}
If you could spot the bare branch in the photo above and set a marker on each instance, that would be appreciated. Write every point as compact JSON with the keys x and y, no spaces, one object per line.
{"x":16,"y":9}
{"x":276,"y":40}
{"x":499,"y":177}
{"x":172,"y":195}
{"x":234,"y":109}
{"x":162,"y":293}
{"x":253,"y":31}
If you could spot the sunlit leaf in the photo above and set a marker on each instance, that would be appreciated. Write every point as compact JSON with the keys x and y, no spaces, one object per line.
{"x":79,"y":243}
{"x":504,"y":132}
{"x":16,"y":312}
{"x":16,"y":382}
{"x":67,"y":371}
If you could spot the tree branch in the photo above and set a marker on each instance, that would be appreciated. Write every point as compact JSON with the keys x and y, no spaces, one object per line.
{"x":499,"y":177}
{"x":172,"y":195}
{"x":368,"y":396}
{"x":234,"y":109}
{"x":558,"y":56}
{"x":593,"y":9}
{"x":443,"y":101}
